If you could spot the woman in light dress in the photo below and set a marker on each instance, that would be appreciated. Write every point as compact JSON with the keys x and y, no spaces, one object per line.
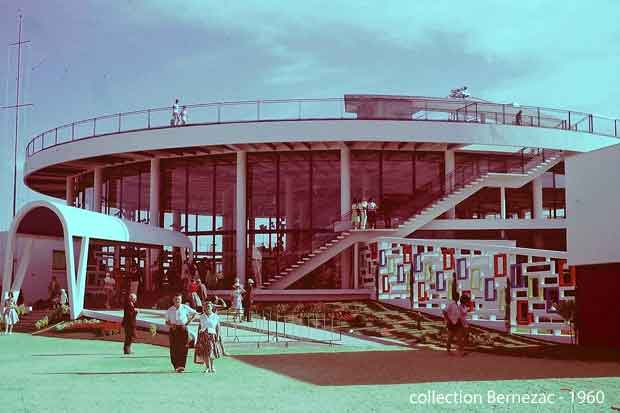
{"x":237,"y":301}
{"x":355,"y":214}
{"x":207,"y":348}
{"x":9,"y":314}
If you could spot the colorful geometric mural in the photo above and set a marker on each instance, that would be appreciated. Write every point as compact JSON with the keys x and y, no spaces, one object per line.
{"x":521,"y":285}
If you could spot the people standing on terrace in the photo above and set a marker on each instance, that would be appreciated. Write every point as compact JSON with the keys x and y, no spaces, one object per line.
{"x":363,"y":208}
{"x":372,"y":213}
{"x":355,"y":214}
{"x":176,"y":114}
{"x":184,"y":116}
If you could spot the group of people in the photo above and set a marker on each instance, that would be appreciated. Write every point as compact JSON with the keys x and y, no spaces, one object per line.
{"x":208,"y":345}
{"x":198,"y":305}
{"x":179,"y":115}
{"x":455,"y":315}
{"x":364,"y":213}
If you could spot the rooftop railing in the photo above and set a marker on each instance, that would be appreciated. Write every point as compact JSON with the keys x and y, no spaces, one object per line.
{"x":350,"y":107}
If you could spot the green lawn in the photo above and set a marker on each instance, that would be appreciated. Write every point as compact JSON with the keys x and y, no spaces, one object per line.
{"x":47,"y":374}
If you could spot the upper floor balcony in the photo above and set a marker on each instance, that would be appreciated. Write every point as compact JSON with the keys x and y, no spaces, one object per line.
{"x":350,"y":107}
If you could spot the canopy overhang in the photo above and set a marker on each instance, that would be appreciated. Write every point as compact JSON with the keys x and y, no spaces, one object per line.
{"x":53,"y":219}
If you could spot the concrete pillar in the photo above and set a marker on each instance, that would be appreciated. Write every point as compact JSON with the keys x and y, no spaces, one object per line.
{"x":97,"y":188}
{"x":502,"y":195}
{"x":345,"y":179}
{"x":70,"y":191}
{"x":241,"y":215}
{"x":154,"y":199}
{"x":227,"y":240}
{"x":537,"y":196}
{"x":152,"y":255}
{"x":449,"y":164}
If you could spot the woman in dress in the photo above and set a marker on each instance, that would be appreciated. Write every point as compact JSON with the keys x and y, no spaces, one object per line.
{"x":237,"y":302}
{"x":355,"y":214}
{"x":9,"y":314}
{"x":207,"y":349}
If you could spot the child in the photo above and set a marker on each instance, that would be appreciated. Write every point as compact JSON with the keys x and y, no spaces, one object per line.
{"x":9,"y":314}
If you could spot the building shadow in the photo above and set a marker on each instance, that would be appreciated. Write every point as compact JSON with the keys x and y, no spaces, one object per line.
{"x":409,"y":367}
{"x":111,"y":373}
{"x":73,"y":354}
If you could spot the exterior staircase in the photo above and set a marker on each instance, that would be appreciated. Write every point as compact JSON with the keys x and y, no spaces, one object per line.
{"x":456,"y":189}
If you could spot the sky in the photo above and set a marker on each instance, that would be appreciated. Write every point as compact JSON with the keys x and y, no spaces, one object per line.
{"x":89,"y":58}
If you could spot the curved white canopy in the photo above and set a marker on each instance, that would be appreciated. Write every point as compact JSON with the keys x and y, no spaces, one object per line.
{"x":45,"y":218}
{"x":83,"y":223}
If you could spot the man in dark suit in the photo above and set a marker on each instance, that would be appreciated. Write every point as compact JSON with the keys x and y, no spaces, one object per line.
{"x":129,"y":322}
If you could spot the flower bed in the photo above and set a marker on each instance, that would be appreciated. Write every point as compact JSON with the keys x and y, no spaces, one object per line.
{"x":99,"y":328}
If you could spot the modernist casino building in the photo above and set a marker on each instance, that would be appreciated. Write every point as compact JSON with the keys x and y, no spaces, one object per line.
{"x":264,"y":189}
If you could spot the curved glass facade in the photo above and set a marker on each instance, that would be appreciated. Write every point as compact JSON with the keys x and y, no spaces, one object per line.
{"x":125,"y":191}
{"x":292,"y":200}
{"x":198,"y":198}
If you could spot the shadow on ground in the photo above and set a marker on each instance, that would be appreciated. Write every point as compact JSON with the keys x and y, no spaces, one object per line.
{"x":110,"y":373}
{"x":402,"y":367}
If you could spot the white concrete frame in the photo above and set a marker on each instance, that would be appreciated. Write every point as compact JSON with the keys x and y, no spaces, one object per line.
{"x":82,"y":225}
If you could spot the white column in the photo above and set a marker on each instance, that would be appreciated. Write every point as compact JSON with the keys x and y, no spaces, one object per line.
{"x":81,"y":276}
{"x":345,"y":179}
{"x":448,"y":168}
{"x":537,"y":196}
{"x":98,"y":185}
{"x":154,"y":201}
{"x":154,"y":212}
{"x":71,"y":283}
{"x":502,"y":194}
{"x":241,"y":215}
{"x":70,"y":191}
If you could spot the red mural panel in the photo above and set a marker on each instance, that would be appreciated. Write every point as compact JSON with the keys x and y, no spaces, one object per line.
{"x":522,"y":313}
{"x":407,"y":251}
{"x":500,"y":265}
{"x":448,"y":258}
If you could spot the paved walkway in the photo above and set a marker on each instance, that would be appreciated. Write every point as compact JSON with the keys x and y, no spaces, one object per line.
{"x":257,"y":330}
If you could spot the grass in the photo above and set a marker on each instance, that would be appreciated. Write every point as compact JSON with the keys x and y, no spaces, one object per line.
{"x":44,"y":374}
